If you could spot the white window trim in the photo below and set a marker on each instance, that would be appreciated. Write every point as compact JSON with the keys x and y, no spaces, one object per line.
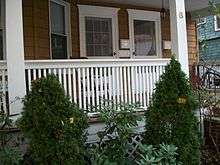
{"x":102,"y":12}
{"x":216,"y":24}
{"x":148,"y":16}
{"x":3,"y":27}
{"x":67,"y":26}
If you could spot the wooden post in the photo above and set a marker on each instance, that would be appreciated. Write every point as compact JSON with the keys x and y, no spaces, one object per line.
{"x":15,"y":54}
{"x":179,"y":33}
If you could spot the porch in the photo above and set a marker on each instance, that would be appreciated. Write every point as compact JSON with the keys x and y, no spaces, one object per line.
{"x":123,"y":77}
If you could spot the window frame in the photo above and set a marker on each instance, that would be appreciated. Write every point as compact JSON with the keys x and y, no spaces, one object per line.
{"x":67,"y":20}
{"x":216,"y":23}
{"x":2,"y":27}
{"x":145,"y":16}
{"x":100,"y":12}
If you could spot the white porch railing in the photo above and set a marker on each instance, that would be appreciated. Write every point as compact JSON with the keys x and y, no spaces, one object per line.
{"x":3,"y":87}
{"x":90,"y":82}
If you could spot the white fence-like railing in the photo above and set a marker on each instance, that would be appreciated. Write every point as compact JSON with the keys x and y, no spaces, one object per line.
{"x":89,"y":82}
{"x":3,"y":87}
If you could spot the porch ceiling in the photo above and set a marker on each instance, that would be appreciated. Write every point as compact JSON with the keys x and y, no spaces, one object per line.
{"x":191,"y":5}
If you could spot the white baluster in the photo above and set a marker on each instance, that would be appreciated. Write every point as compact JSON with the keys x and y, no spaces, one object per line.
{"x":88,"y":87}
{"x":64,"y":81}
{"x":121,"y":85}
{"x":84,"y":88}
{"x":74,"y":86}
{"x":117,"y":85}
{"x":97,"y":85}
{"x":144,"y":86}
{"x":79,"y":87}
{"x":92,"y":86}
{"x":125,"y":84}
{"x":129,"y":85}
{"x":69,"y":84}
{"x":29,"y":79}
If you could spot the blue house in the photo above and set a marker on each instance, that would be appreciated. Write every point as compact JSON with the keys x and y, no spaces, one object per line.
{"x":209,"y":38}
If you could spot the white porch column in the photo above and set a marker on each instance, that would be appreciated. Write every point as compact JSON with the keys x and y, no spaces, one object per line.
{"x":179,"y":33}
{"x":15,"y":54}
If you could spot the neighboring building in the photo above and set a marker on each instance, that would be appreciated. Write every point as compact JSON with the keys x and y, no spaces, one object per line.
{"x":99,"y":49}
{"x":209,"y":38}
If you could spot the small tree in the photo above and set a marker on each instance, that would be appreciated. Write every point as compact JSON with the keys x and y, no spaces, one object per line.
{"x":53,"y":126}
{"x":170,"y":118}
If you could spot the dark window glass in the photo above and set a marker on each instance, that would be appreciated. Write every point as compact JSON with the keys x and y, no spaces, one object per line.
{"x":58,"y":32}
{"x":145,"y":38}
{"x":1,"y":32}
{"x":98,"y":36}
{"x":59,"y":47}
{"x":218,"y":22}
{"x":57,"y":18}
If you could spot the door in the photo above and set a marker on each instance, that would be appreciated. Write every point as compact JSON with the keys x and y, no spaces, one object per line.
{"x":98,"y":32}
{"x":145,"y":35}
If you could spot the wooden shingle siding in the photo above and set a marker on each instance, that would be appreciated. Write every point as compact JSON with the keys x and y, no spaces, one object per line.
{"x":123,"y":24}
{"x":75,"y":30}
{"x":36,"y":28}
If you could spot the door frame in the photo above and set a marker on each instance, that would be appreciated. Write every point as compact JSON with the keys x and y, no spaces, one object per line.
{"x":147,"y":16}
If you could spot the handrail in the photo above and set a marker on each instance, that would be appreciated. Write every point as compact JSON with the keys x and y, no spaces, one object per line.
{"x":83,"y":63}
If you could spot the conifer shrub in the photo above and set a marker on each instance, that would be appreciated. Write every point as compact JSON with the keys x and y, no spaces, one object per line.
{"x":170,"y":118}
{"x":53,"y":126}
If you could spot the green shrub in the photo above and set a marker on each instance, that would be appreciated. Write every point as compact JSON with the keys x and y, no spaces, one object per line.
{"x":114,"y":139}
{"x":9,"y":151}
{"x":170,"y":118}
{"x":164,"y":155}
{"x":53,"y":126}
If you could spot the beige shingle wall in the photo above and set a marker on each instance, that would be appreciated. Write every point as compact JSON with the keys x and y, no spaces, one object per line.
{"x":36,"y":28}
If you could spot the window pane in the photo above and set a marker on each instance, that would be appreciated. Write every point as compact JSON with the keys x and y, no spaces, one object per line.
{"x":57,"y":13}
{"x":98,"y":36}
{"x":144,"y":38}
{"x":218,"y":22}
{"x":59,"y":47}
{"x":1,"y":45}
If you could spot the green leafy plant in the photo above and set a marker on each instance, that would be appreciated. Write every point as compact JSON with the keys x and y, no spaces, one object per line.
{"x":170,"y":118}
{"x":53,"y":125}
{"x":214,"y":8}
{"x":9,"y":152}
{"x":164,"y":155}
{"x":119,"y":120}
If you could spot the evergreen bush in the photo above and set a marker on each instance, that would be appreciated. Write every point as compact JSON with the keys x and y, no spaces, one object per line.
{"x":53,"y":125}
{"x":170,"y":118}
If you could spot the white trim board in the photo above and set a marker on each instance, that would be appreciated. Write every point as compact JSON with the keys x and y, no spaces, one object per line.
{"x":216,"y":24}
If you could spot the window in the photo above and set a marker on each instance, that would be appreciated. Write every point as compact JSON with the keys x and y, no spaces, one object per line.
{"x":1,"y":30}
{"x":98,"y":36}
{"x":98,"y":31}
{"x":217,"y":23}
{"x":144,"y":38}
{"x":145,"y":33}
{"x":59,"y":29}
